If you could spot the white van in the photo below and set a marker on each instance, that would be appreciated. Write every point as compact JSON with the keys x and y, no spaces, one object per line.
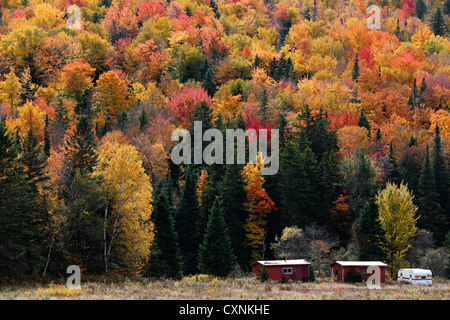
{"x":415,"y":276}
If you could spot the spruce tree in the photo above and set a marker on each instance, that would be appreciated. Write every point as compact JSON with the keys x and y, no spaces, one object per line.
{"x":355,"y":69}
{"x":19,"y":246}
{"x":215,"y":255}
{"x":263,"y":109}
{"x":420,"y":8}
{"x":369,"y":232}
{"x":441,"y":177}
{"x":428,"y":196}
{"x":80,"y":147}
{"x":187,"y":224}
{"x":438,"y":23}
{"x":165,"y":256}
{"x":363,"y":122}
{"x":47,"y":142}
{"x":414,"y":96}
{"x":208,"y":83}
{"x":446,"y":7}
{"x":392,"y":172}
{"x":232,"y":192}
{"x":143,"y":120}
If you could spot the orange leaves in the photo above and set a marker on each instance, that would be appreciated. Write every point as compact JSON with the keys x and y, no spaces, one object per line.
{"x":111,"y":95}
{"x":151,"y":61}
{"x":76,"y":77}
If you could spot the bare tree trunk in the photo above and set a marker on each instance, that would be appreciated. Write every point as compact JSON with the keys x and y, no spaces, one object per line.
{"x":48,"y":256}
{"x":104,"y":239}
{"x":113,"y":235}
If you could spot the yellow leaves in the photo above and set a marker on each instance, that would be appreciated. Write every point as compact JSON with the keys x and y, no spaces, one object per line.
{"x":253,"y":171}
{"x":202,"y":179}
{"x":10,"y":90}
{"x":47,"y":16}
{"x":30,"y":116}
{"x":129,"y":188}
{"x":260,"y":76}
{"x":441,"y":117}
{"x":228,"y":107}
{"x":396,"y":213}
{"x":323,"y":67}
{"x":422,"y":35}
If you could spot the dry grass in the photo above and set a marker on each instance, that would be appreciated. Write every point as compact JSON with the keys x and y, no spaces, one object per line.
{"x":207,"y":288}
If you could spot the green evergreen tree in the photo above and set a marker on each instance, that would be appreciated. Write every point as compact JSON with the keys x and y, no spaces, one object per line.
{"x":80,"y":147}
{"x":19,"y":246}
{"x":446,"y":7}
{"x":166,"y":259}
{"x":438,"y":23}
{"x":363,"y":122}
{"x":208,"y":83}
{"x":392,"y":172}
{"x":187,"y":224}
{"x":368,"y":232}
{"x":378,"y":135}
{"x":441,"y":178}
{"x":414,"y":96}
{"x":355,"y":69}
{"x":143,"y":120}
{"x":420,"y":8}
{"x":47,"y":142}
{"x":232,"y":192}
{"x":215,"y":255}
{"x":428,"y":196}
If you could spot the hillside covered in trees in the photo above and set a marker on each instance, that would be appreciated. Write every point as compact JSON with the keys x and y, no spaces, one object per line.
{"x":87,"y":114}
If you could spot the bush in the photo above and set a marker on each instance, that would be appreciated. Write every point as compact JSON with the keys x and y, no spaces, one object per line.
{"x":353,"y":276}
{"x":263,"y":275}
{"x":312,"y":273}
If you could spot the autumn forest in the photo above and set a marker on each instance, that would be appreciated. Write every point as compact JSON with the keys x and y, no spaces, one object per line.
{"x":89,"y":100}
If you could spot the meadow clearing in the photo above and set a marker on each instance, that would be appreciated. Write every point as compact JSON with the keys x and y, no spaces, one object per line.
{"x":202,"y":287}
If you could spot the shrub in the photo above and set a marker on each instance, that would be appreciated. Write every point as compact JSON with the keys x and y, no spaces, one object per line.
{"x":353,"y":276}
{"x":263,"y":275}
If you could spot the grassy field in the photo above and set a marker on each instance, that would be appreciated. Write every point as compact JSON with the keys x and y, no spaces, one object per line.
{"x":204,"y":287}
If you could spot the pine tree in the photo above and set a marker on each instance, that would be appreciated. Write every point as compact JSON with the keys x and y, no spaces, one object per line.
{"x":392,"y":172}
{"x":263,"y":109}
{"x":428,"y":196}
{"x":215,"y":255}
{"x":369,"y":232}
{"x":420,"y":8}
{"x":363,"y":122}
{"x":19,"y":248}
{"x":165,"y":256}
{"x":208,"y":83}
{"x":187,"y":224}
{"x":414,"y":96}
{"x":143,"y":120}
{"x":47,"y":142}
{"x":441,"y":176}
{"x":232,"y":192}
{"x":80,"y":147}
{"x":378,"y":135}
{"x":446,"y":7}
{"x":355,"y":69}
{"x":438,"y":24}
{"x":33,"y":160}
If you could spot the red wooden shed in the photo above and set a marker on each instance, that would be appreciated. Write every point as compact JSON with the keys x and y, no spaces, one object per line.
{"x":339,"y":269}
{"x":296,"y":270}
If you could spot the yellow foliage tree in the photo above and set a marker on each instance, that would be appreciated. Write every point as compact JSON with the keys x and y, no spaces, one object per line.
{"x":396,"y":213}
{"x":129,"y":190}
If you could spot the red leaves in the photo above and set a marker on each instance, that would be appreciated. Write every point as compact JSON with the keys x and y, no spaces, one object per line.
{"x":184,"y":102}
{"x":342,"y":119}
{"x":152,"y":10}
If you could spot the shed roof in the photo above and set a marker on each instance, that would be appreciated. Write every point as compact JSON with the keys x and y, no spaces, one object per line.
{"x":282,"y":262}
{"x":360,"y":263}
